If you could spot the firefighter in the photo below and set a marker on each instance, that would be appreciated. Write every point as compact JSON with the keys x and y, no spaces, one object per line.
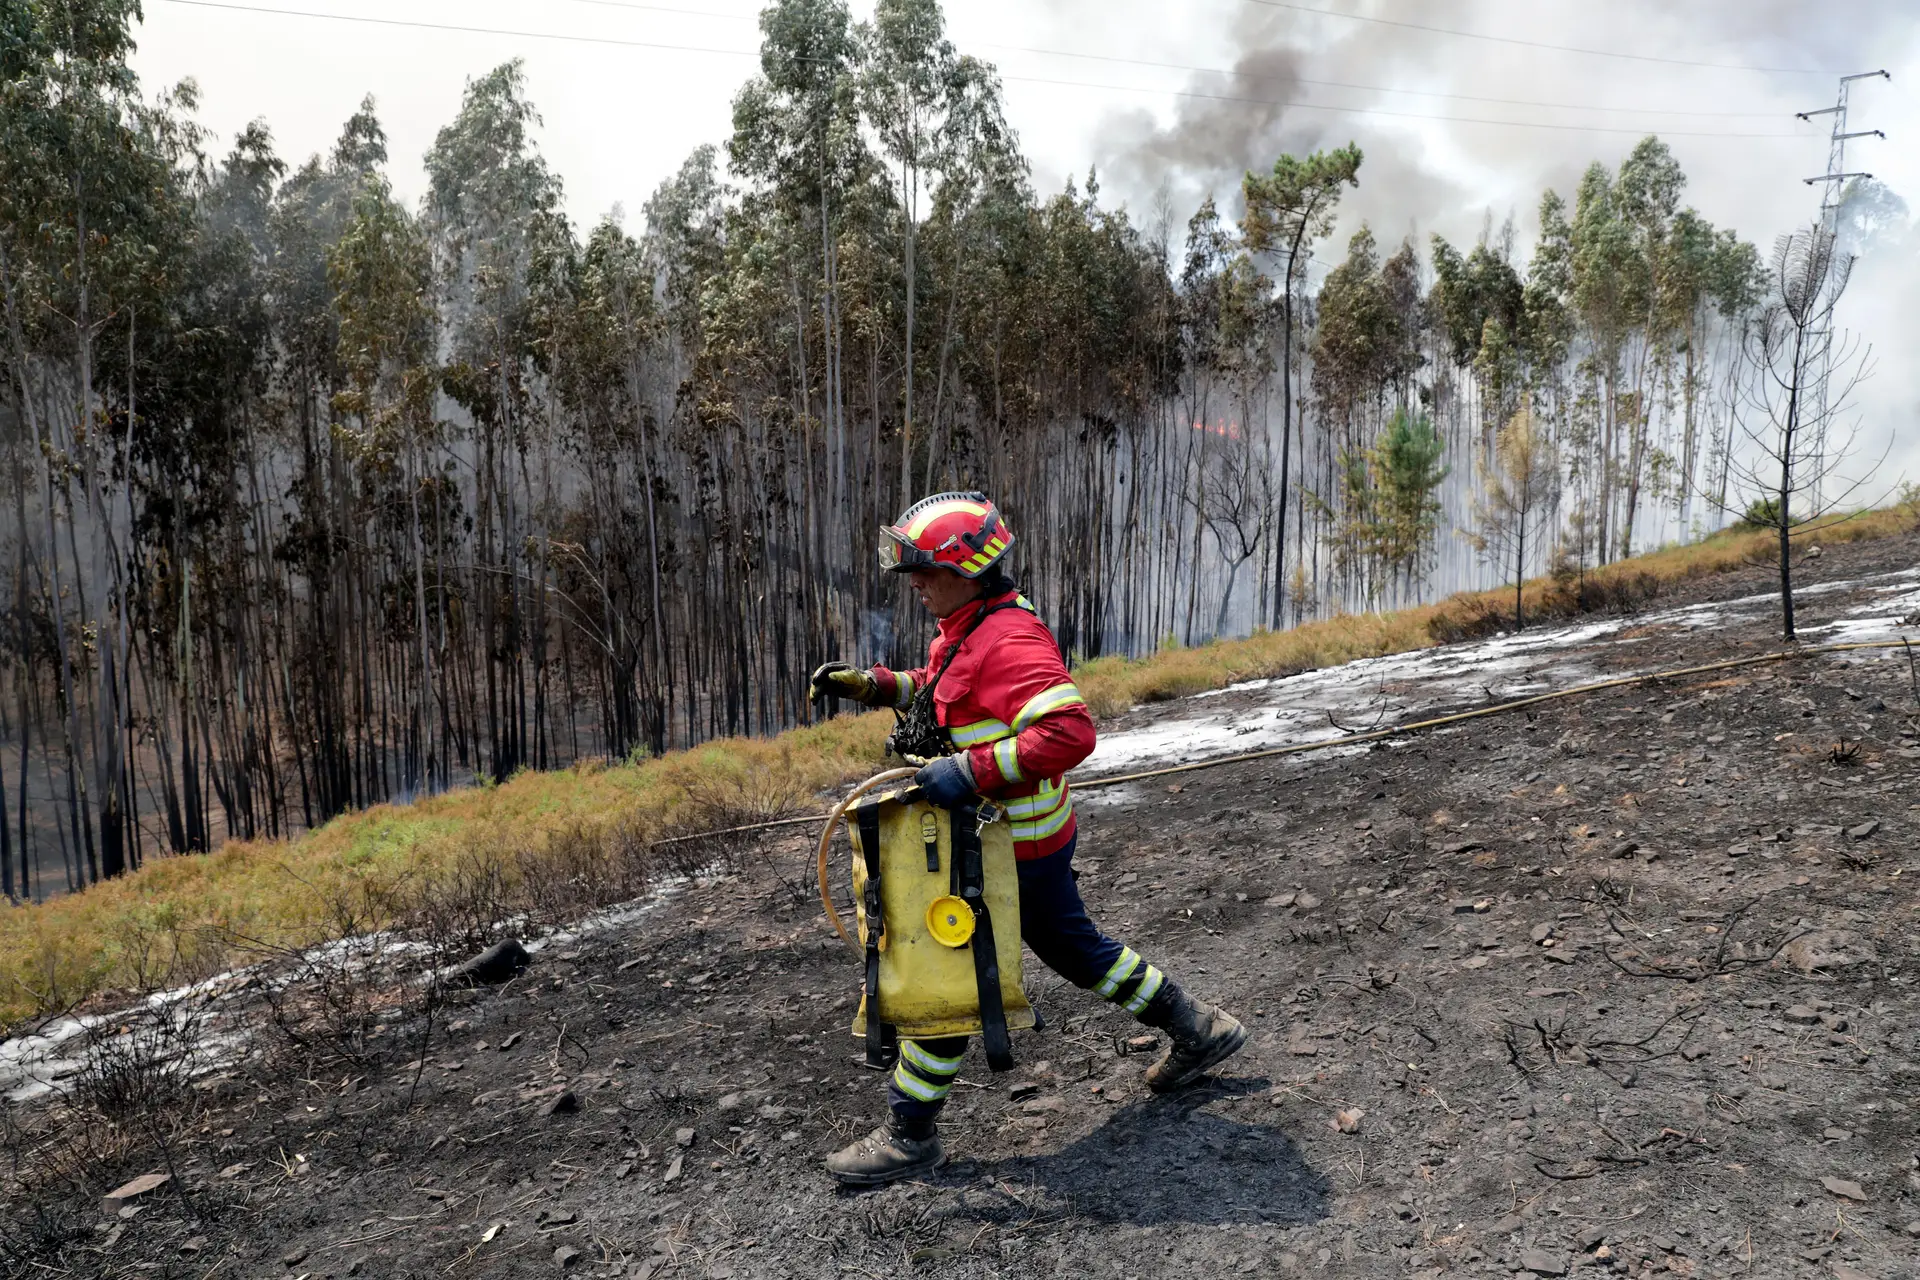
{"x":1013,"y":722}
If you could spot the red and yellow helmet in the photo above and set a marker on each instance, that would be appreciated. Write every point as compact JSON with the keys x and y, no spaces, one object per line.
{"x":958,"y":531}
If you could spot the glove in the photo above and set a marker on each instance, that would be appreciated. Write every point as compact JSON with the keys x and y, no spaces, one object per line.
{"x":839,"y":680}
{"x":947,"y":782}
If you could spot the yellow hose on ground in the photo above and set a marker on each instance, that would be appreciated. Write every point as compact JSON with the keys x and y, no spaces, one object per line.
{"x":835,"y":816}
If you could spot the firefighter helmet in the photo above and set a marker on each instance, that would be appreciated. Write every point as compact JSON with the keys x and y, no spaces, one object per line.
{"x":958,"y":531}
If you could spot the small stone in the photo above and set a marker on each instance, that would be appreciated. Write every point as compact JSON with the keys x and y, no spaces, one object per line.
{"x":294,"y":1256}
{"x":1625,"y":849}
{"x":1347,"y":1119}
{"x":1846,"y":1190}
{"x":1306,"y":901}
{"x":1833,"y":1022}
{"x":1864,"y":830}
{"x":565,"y":1256}
{"x":1913,"y":1228}
{"x":1542,"y":1263}
{"x":1462,"y":906}
{"x":1836,"y":1133}
{"x":1476,"y":962}
{"x":509,"y":1042}
{"x":673,"y":1170}
{"x":1508,"y":1225}
{"x":1841,"y":1271}
{"x":561,"y":1103}
{"x":684,"y":1137}
{"x":1802,"y":1015}
{"x":558,"y":1218}
{"x":1281,"y":900}
{"x":1142,"y":1044}
{"x":193,"y":1244}
{"x":1540,"y":932}
{"x":728,"y":1101}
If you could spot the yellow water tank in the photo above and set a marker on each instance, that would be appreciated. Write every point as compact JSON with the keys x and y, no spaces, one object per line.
{"x":928,"y":983}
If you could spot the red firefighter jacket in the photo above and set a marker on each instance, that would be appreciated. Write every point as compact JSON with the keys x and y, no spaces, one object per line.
{"x":1009,"y":703}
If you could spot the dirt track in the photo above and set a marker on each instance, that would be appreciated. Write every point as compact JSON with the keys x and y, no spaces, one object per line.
{"x":1616,"y":984}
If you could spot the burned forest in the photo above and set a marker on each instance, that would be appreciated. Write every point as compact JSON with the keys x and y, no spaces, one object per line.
{"x":319,"y":500}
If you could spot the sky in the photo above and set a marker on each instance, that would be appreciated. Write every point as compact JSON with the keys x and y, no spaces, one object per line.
{"x":1466,"y":109}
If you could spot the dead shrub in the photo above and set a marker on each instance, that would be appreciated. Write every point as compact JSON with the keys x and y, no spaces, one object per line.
{"x":144,"y":1062}
{"x":325,"y":998}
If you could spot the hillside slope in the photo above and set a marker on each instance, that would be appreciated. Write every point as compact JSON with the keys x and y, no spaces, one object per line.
{"x":1630,"y":972}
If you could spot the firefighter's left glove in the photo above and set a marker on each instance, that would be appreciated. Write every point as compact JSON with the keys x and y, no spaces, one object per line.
{"x":839,"y":680}
{"x":947,"y":782}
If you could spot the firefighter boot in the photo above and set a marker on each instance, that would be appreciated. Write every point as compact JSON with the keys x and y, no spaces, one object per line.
{"x":900,"y":1148}
{"x":1203,"y":1037}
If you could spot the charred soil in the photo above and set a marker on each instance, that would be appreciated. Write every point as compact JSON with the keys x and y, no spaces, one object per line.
{"x":1625,"y":982}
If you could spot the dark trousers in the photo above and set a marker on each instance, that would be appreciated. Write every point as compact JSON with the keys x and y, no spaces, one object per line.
{"x":1055,"y":924}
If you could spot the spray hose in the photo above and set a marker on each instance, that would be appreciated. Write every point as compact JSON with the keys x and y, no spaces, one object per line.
{"x":835,"y":816}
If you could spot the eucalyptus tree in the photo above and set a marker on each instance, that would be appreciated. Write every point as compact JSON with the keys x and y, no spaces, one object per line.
{"x":1609,"y":298}
{"x":908,"y":87}
{"x":1647,"y":199}
{"x":491,"y":201}
{"x":1287,"y":211}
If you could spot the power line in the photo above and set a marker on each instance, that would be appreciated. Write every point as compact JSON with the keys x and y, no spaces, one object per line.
{"x":448,"y":26}
{"x":1532,"y":44}
{"x":1365,"y":88}
{"x":1043,"y":80}
{"x":1246,"y":75}
{"x":1377,"y":111}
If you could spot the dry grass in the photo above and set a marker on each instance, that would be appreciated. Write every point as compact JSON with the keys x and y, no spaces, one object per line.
{"x":545,"y":845}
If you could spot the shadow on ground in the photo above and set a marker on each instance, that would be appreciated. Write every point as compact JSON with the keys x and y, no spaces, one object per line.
{"x":1171,"y":1160}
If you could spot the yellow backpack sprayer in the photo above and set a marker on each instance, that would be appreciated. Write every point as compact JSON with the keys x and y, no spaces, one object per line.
{"x":938,"y":903}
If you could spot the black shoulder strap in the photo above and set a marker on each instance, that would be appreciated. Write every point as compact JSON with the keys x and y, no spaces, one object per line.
{"x":917,"y":732}
{"x":966,"y":635}
{"x":986,"y":960}
{"x":880,"y":1035}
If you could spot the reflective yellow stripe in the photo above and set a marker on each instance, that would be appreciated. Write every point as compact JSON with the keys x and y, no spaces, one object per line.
{"x":927,"y":1062}
{"x":902,"y":689}
{"x":980,"y":732}
{"x":1122,"y":969}
{"x":1144,"y":993}
{"x":914,"y":1087}
{"x":1007,"y":760}
{"x":1046,"y":702}
{"x":927,"y":517}
{"x":1038,"y":804}
{"x":1041,"y":828}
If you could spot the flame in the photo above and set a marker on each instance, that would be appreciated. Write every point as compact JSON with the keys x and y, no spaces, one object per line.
{"x":1225,"y":429}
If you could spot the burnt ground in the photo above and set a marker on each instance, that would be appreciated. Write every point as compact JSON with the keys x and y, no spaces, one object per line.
{"x":1625,"y":983}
